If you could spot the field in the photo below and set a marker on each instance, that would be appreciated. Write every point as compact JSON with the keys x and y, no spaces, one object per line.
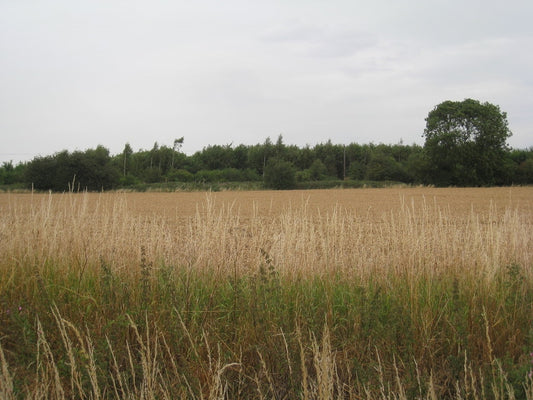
{"x":337,"y":294}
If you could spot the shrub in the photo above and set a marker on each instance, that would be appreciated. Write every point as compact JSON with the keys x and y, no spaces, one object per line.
{"x":180,"y":175}
{"x":318,"y":170}
{"x":279,"y":174}
{"x":128,"y":180}
{"x":208,"y":176}
{"x":232,"y":175}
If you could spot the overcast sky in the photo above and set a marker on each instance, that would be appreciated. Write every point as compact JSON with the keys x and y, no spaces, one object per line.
{"x":76,"y":73}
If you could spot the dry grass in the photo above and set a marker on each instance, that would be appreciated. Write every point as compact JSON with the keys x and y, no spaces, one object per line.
{"x":319,"y":232}
{"x":316,"y":269}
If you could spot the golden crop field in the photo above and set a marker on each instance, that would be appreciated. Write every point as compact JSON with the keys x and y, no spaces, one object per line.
{"x":375,"y":201}
{"x":351,"y":293}
{"x":304,"y":231}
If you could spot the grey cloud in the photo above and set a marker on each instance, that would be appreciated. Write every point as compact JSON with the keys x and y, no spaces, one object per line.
{"x":482,"y":62}
{"x":320,"y":41}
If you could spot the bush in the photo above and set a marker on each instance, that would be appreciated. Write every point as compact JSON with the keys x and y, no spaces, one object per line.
{"x":357,"y":170}
{"x":152,"y":175}
{"x":208,"y":176}
{"x":128,"y":180}
{"x":232,"y":175}
{"x":303,"y":176}
{"x":89,"y":170}
{"x":180,"y":175}
{"x":279,"y":175}
{"x":251,"y":175}
{"x":525,"y":171}
{"x":384,"y":168}
{"x":318,"y":171}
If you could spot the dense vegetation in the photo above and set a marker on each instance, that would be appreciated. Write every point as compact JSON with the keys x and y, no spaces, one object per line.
{"x":96,"y":169}
{"x":465,"y":145}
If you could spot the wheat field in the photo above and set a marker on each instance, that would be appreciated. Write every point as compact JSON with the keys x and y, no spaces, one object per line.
{"x":361,"y":293}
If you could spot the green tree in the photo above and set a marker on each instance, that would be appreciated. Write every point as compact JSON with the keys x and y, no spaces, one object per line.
{"x":175,"y":149}
{"x":126,"y":153}
{"x":259,"y":154}
{"x":180,"y":175}
{"x":217,"y":157}
{"x":42,"y":173}
{"x":383,"y":167}
{"x":12,"y":175}
{"x":279,"y":148}
{"x":525,"y":172}
{"x":466,"y":143}
{"x":317,"y":171}
{"x":416,"y":165}
{"x":279,"y":174}
{"x":89,"y":170}
{"x":304,"y":158}
{"x":240,"y":156}
{"x":520,"y":166}
{"x":357,"y":170}
{"x":332,"y":155}
{"x":155,"y":159}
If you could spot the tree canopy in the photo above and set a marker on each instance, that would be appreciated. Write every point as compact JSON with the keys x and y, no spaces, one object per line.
{"x":466,"y":143}
{"x":89,"y":170}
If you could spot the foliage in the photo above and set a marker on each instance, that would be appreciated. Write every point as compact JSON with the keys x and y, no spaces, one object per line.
{"x":10,"y":174}
{"x":384,"y":167}
{"x":466,"y":143}
{"x":208,"y":176}
{"x":89,"y":170}
{"x":521,"y":166}
{"x":128,"y":181}
{"x":279,"y":174}
{"x":126,"y":154}
{"x":332,"y":156}
{"x":216,"y":157}
{"x":317,"y":171}
{"x":357,"y":170}
{"x":180,"y":175}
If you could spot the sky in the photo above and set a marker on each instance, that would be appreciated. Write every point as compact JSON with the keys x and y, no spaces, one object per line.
{"x":75,"y":74}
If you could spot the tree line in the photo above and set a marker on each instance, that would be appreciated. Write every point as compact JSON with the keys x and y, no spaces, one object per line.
{"x":465,"y":145}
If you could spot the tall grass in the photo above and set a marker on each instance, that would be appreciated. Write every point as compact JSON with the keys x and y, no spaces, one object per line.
{"x":418,"y":302}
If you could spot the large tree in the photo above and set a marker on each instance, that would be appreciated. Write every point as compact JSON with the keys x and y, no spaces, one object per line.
{"x":466,"y":143}
{"x":126,"y":153}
